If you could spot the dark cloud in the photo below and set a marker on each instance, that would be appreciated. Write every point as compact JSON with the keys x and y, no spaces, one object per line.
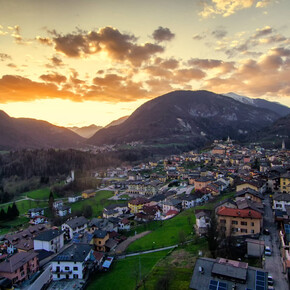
{"x":5,"y":56}
{"x":263,"y":31}
{"x":53,"y":78}
{"x":44,"y":40}
{"x":219,"y":33}
{"x":163,"y":34}
{"x":199,"y":36}
{"x":118,"y":46}
{"x":224,"y":67}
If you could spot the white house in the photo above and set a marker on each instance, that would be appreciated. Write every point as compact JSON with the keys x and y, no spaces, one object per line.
{"x":280,"y":200}
{"x":74,"y":225}
{"x":73,"y":199}
{"x":72,"y":262}
{"x":202,"y":221}
{"x":33,"y":212}
{"x":57,"y":204}
{"x":63,"y":210}
{"x":51,"y":240}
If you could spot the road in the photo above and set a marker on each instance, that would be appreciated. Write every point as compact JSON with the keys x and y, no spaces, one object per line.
{"x":273,"y":263}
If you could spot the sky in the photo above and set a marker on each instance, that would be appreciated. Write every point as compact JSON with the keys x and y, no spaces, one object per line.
{"x":76,"y":63}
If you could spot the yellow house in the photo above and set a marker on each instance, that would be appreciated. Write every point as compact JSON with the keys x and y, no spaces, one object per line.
{"x":99,"y":240}
{"x":136,"y":205}
{"x":239,"y":222}
{"x":247,"y":185}
{"x":285,"y":183}
{"x":88,"y":193}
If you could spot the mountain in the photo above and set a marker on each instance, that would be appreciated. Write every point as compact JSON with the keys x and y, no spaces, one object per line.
{"x":16,"y":133}
{"x":276,"y":132}
{"x":87,"y":131}
{"x":117,"y":122}
{"x":193,"y":117}
{"x":261,"y":103}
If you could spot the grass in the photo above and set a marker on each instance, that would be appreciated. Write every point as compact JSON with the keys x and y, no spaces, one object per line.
{"x":97,"y":203}
{"x":124,"y":274}
{"x":166,"y":233}
{"x":24,"y":205}
{"x":42,"y":193}
{"x":8,"y":226}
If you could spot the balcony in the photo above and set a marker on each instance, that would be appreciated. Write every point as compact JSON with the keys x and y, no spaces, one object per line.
{"x":62,"y":272}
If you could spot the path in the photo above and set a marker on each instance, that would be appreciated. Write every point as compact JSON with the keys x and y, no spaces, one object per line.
{"x":124,"y":245}
{"x":273,"y":263}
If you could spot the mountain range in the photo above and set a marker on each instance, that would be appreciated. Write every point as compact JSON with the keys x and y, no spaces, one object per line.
{"x":16,"y":133}
{"x":179,"y":117}
{"x":189,"y":117}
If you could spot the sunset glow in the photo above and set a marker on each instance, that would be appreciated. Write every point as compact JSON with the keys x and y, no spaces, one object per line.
{"x":91,"y":62}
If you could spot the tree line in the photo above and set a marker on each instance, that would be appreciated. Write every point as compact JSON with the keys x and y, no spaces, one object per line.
{"x":11,"y":213}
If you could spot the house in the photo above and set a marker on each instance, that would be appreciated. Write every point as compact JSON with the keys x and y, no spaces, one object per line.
{"x":250,"y":194}
{"x":255,"y":248}
{"x":56,"y":204}
{"x":38,"y":220}
{"x":51,"y":241}
{"x":72,"y":263}
{"x":33,"y":212}
{"x":23,"y":240}
{"x":253,"y":184}
{"x":285,"y":183}
{"x":73,"y":199}
{"x":228,"y":203}
{"x":202,"y":182}
{"x":225,"y":274}
{"x":63,"y":210}
{"x":172,"y":204}
{"x":218,"y":150}
{"x":188,"y":201}
{"x":115,"y":210}
{"x":19,"y":267}
{"x":203,"y":218}
{"x":101,"y":224}
{"x":74,"y":225}
{"x":88,"y":193}
{"x":280,"y":201}
{"x":124,"y":224}
{"x":99,"y":240}
{"x":143,"y":187}
{"x":136,"y":205}
{"x":239,"y":222}
{"x":153,"y":212}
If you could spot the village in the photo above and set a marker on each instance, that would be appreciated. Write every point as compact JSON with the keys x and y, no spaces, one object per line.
{"x":233,"y":199}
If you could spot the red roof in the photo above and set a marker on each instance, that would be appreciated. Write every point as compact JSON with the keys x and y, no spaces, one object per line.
{"x":172,"y":212}
{"x":243,"y":213}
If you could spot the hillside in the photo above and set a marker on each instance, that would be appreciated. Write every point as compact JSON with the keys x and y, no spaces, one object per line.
{"x":87,"y":131}
{"x":16,"y":133}
{"x":187,"y":117}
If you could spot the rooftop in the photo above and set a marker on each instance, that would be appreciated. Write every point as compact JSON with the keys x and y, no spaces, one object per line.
{"x":74,"y":253}
{"x":48,"y":235}
{"x":243,"y":213}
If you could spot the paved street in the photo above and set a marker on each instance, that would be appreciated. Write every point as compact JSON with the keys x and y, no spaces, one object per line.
{"x":273,"y":264}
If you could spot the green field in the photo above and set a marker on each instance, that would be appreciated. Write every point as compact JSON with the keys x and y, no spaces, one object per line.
{"x":167,"y":233}
{"x":125,"y":274}
{"x":42,"y":193}
{"x":97,"y":203}
{"x":8,"y":226}
{"x":24,"y":205}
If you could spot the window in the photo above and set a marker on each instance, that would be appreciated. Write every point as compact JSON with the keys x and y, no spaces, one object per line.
{"x":244,"y":230}
{"x":100,"y":242}
{"x":58,"y":275}
{"x":76,"y":268}
{"x":234,"y":222}
{"x":252,"y":224}
{"x":66,"y":267}
{"x":51,"y":242}
{"x":234,"y":230}
{"x":252,"y":231}
{"x":244,"y":223}
{"x":222,"y":221}
{"x":76,"y":276}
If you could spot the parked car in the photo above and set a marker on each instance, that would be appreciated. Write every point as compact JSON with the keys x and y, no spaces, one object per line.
{"x":270,"y":281}
{"x":266,"y":232}
{"x":268,"y":251}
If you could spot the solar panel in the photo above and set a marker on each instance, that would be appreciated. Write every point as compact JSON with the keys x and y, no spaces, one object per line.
{"x":217,"y":285}
{"x":260,"y":281}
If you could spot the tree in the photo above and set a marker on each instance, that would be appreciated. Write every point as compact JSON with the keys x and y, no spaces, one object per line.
{"x":2,"y":214}
{"x":50,"y":200}
{"x":87,"y":211}
{"x":212,"y":236}
{"x":14,"y":210}
{"x":9,"y":213}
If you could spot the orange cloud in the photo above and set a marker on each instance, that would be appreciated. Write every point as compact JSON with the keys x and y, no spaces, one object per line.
{"x":53,"y":78}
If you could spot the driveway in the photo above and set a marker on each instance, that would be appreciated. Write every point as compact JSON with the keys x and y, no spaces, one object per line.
{"x":273,"y":263}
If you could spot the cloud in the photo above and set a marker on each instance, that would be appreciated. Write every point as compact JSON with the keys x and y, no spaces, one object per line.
{"x":16,"y":88}
{"x":163,"y":34}
{"x":5,"y":56}
{"x":44,"y":40}
{"x":263,"y":31}
{"x":53,"y":78}
{"x":266,"y":76}
{"x":188,"y":74}
{"x":219,"y":33}
{"x":223,"y":7}
{"x":118,"y":46}
{"x":263,"y":3}
{"x":222,"y":66}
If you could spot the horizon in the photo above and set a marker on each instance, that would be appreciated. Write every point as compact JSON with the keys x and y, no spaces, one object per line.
{"x":95,"y":63}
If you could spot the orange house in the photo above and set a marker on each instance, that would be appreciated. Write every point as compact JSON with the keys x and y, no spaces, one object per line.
{"x":99,"y":240}
{"x":201,"y":183}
